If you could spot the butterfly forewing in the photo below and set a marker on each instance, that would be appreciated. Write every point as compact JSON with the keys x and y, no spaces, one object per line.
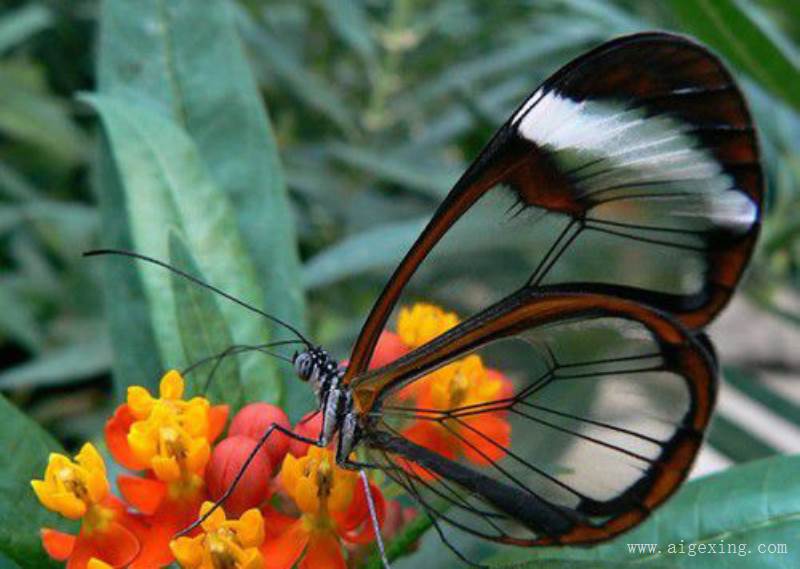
{"x":634,"y":168}
{"x":596,"y":423}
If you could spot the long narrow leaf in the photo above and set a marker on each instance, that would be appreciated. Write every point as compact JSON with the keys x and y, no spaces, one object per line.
{"x":744,"y":507}
{"x":25,"y":448}
{"x":189,"y":65}
{"x":203,"y":332}
{"x":166,"y":186}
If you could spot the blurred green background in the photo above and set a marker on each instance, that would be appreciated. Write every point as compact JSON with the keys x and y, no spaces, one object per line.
{"x":376,"y":107}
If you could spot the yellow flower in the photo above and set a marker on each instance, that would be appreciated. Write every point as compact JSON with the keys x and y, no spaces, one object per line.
{"x":170,"y":449}
{"x":192,"y":414}
{"x":72,"y":488}
{"x":224,"y":544}
{"x":316,"y":484}
{"x":422,"y":323}
{"x":462,"y":383}
{"x":170,"y":435}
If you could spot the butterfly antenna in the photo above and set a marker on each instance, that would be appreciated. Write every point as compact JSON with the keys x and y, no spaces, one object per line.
{"x":195,"y":280}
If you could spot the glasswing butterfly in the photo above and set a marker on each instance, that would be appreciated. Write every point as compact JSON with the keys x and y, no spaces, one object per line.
{"x":625,"y":193}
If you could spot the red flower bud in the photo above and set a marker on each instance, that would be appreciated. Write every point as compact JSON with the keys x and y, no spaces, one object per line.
{"x":253,"y":420}
{"x":226,"y":461}
{"x":309,"y":426}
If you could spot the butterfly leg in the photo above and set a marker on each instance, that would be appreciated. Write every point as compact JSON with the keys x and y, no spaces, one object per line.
{"x":373,"y":516}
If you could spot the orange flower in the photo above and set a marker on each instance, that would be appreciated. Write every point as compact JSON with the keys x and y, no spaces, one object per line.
{"x":228,"y":544}
{"x":79,"y":490}
{"x":134,"y":434}
{"x":422,"y":323}
{"x":333,"y":508}
{"x":482,"y":431}
{"x":170,"y":438}
{"x":416,"y":326}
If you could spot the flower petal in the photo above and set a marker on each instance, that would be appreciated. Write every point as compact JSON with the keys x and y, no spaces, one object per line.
{"x":68,"y":505}
{"x":164,"y":524}
{"x":116,"y":431}
{"x":284,"y":551}
{"x":356,"y":525}
{"x":389,"y":348}
{"x":171,"y":386}
{"x":215,"y":519}
{"x":89,"y":458}
{"x":144,"y":494}
{"x":188,"y":551}
{"x":166,"y":468}
{"x":486,"y":437}
{"x":58,"y":545}
{"x":250,"y":528}
{"x":140,"y":402}
{"x":217,"y":417}
{"x":305,"y":496}
{"x":323,"y":550}
{"x":275,"y":522}
{"x":114,"y":544}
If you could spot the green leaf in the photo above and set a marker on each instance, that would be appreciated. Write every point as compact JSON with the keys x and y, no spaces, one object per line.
{"x":17,"y":320}
{"x":744,"y":507}
{"x":536,"y":47}
{"x":6,"y":563}
{"x":29,"y":113}
{"x":372,"y":249}
{"x":57,"y":366}
{"x":409,"y":174}
{"x":308,"y":87}
{"x":745,"y":37}
{"x":749,"y":383}
{"x":203,"y":332}
{"x":736,"y":442}
{"x":136,"y":360}
{"x":25,"y":449}
{"x":20,"y":24}
{"x":189,"y":64}
{"x":167,"y":186}
{"x":351,"y":23}
{"x":596,"y":564}
{"x":14,"y":185}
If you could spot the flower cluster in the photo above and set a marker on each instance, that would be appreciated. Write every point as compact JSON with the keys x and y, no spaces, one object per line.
{"x":482,"y":433}
{"x":292,"y":506}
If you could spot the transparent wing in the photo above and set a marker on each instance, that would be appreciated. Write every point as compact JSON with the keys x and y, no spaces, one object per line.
{"x":596,"y":421}
{"x":634,"y":168}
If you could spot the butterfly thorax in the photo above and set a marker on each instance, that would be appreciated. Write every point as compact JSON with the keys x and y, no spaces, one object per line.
{"x":335,"y":400}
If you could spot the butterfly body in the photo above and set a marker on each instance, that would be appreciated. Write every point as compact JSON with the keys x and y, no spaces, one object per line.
{"x":324,"y":374}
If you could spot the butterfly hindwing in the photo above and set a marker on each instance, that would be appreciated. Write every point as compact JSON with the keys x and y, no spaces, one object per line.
{"x":598,"y":423}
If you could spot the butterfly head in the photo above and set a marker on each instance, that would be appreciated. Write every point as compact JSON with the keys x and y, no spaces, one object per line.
{"x":313,"y":364}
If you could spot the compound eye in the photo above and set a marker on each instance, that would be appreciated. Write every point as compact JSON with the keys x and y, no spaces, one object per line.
{"x":302,"y":365}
